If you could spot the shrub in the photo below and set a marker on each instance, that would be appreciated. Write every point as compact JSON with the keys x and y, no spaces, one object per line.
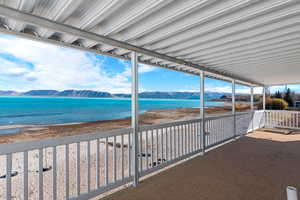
{"x":276,"y":104}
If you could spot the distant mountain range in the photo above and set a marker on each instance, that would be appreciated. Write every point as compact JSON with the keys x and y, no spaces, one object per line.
{"x":98,"y":94}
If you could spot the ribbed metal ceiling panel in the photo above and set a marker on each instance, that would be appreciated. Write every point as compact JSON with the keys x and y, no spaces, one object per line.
{"x":253,"y":41}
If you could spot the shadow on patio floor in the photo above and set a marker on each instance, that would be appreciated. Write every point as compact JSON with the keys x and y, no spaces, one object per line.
{"x":258,"y":166}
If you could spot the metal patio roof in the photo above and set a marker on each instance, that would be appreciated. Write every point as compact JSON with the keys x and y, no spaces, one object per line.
{"x":253,"y":41}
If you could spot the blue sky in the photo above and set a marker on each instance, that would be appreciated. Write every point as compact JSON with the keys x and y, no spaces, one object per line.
{"x":27,"y":65}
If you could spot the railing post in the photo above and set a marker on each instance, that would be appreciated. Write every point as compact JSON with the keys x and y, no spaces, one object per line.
{"x":202,"y":111}
{"x":264,"y":98}
{"x":233,"y":108}
{"x":134,"y":116}
{"x":264,"y":106}
{"x":252,"y":107}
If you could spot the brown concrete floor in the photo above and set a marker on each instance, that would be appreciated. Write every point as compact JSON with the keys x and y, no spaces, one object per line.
{"x":256,"y":167}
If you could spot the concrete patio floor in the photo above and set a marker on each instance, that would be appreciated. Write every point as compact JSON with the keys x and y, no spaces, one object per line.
{"x":258,"y":166}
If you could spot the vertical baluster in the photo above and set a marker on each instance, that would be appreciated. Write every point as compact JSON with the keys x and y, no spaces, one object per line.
{"x":216,"y":127}
{"x":297,"y":120}
{"x":89,"y":165}
{"x":162,"y":144}
{"x":277,"y":118}
{"x":189,"y":138}
{"x":198,"y":136}
{"x":106,"y":161}
{"x":221,"y":130}
{"x":115,"y":159}
{"x":157,"y":146}
{"x":147,"y":150}
{"x":129,"y":154}
{"x":207,"y":131}
{"x":25,"y":175}
{"x":122,"y":156}
{"x":211,"y":131}
{"x":78,"y":169}
{"x":218,"y":130}
{"x":66,"y":170}
{"x":294,"y":120}
{"x":177,"y":141}
{"x":41,"y":191}
{"x":171,"y":142}
{"x":185,"y":139}
{"x":54,"y":174}
{"x":182,"y":137}
{"x":175,"y":138}
{"x":98,"y":163}
{"x":8,"y":176}
{"x":140,"y":136}
{"x":167,"y":143}
{"x":152,"y":146}
{"x":290,"y":119}
{"x":195,"y":136}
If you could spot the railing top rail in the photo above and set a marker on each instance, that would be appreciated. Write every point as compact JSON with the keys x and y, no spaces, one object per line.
{"x":293,"y":111}
{"x":51,"y":142}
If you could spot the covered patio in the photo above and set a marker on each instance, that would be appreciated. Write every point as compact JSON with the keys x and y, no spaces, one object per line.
{"x":257,"y":166}
{"x":252,"y":43}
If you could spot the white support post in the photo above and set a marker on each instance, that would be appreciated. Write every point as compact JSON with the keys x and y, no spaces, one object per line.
{"x":264,"y":98}
{"x":202,"y":111}
{"x":252,"y":99}
{"x":134,"y":116}
{"x":233,"y":108}
{"x":252,"y":108}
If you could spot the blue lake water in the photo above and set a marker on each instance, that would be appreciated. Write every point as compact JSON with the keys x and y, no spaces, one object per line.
{"x":56,"y":110}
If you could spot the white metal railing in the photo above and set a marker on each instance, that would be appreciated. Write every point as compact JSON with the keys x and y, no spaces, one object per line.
{"x":84,"y":166}
{"x":281,"y":119}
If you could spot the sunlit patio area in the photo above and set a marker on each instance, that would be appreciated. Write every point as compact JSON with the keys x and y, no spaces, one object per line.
{"x":257,"y":166}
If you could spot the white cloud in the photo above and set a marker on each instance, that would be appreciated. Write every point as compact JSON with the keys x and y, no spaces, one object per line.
{"x":146,"y":68}
{"x":60,"y":68}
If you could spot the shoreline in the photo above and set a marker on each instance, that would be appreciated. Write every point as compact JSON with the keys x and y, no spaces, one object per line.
{"x":37,"y":132}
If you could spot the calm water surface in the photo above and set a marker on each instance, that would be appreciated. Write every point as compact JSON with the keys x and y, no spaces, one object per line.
{"x":55,"y":110}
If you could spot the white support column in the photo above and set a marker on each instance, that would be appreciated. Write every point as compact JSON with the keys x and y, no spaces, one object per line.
{"x":264,"y":98}
{"x":202,"y":111}
{"x":233,"y":107}
{"x":252,"y":108}
{"x":252,"y":99}
{"x":134,"y":116}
